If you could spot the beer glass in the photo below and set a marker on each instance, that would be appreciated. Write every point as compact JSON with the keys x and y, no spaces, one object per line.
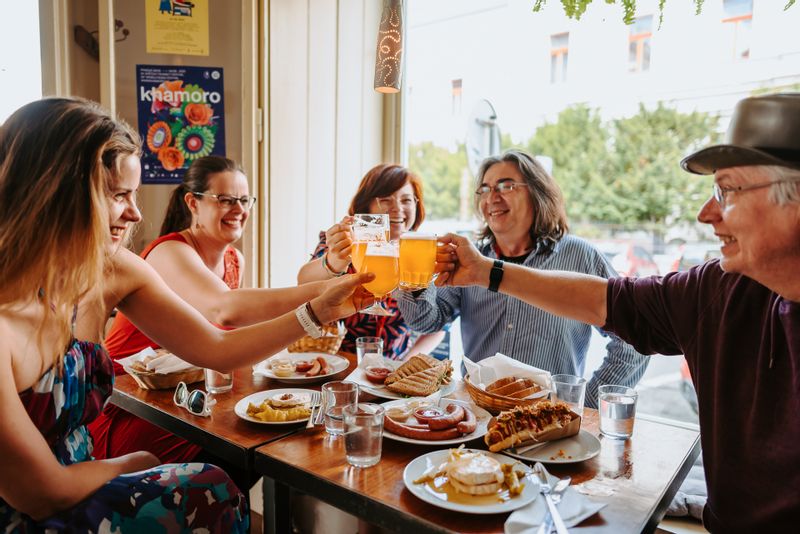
{"x":417,"y":260}
{"x":381,"y":258}
{"x":367,"y":227}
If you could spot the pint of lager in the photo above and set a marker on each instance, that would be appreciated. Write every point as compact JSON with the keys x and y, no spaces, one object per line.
{"x":417,"y":260}
{"x":380,"y":258}
{"x":357,"y":251}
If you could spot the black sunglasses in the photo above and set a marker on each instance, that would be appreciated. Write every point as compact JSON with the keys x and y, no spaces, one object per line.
{"x":196,"y":402}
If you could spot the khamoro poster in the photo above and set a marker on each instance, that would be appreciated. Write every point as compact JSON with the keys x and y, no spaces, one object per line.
{"x":181,"y":118}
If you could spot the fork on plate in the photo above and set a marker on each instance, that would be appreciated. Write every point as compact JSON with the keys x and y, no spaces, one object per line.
{"x":315,"y":404}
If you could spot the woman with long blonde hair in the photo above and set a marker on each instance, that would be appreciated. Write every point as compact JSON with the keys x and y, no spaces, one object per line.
{"x":68,"y":180}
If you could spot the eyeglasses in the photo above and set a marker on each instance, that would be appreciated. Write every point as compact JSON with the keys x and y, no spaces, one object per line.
{"x":197,"y":402}
{"x":503,"y":188}
{"x":229,"y":201}
{"x":721,"y":193}
{"x":386,"y":203}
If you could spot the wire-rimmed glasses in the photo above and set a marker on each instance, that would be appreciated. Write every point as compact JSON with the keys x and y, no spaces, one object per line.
{"x":502,"y":188}
{"x":721,"y":193}
{"x":229,"y":201}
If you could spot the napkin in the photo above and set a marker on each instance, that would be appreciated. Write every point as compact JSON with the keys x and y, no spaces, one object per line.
{"x":499,"y":366}
{"x":161,"y":363}
{"x":574,"y":508}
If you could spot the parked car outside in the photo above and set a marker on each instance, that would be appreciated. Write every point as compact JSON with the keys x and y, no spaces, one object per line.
{"x":628,"y":258}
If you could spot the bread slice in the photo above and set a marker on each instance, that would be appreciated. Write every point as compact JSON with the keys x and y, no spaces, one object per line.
{"x":414,"y":364}
{"x":497,"y":384}
{"x":420,"y":384}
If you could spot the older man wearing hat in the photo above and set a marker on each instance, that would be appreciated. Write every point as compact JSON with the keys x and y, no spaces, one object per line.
{"x":736,"y":319}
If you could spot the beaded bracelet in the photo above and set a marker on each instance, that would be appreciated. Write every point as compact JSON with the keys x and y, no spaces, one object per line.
{"x":327,"y":267}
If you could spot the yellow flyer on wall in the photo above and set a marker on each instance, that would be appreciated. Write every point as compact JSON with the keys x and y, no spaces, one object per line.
{"x":177,"y":27}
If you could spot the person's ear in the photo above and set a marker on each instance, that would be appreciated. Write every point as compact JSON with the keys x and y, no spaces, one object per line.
{"x":191,"y":202}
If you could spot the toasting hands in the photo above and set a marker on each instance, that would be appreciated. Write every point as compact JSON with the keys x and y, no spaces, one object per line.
{"x":339,"y":241}
{"x":343,"y":297}
{"x":459,"y":263}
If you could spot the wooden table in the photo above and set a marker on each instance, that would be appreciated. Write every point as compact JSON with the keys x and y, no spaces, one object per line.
{"x":223,"y":434}
{"x":645,"y":473}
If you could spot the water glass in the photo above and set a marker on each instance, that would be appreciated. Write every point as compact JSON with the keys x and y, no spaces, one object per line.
{"x":570,"y":389}
{"x":217,"y":382}
{"x":336,"y":396}
{"x":617,"y":411}
{"x":363,"y":434}
{"x":368,"y":345}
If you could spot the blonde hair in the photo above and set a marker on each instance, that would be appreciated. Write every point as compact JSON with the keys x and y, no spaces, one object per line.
{"x":57,"y":157}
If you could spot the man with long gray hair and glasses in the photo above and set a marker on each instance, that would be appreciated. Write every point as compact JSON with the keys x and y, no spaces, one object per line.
{"x":526,"y":224}
{"x":736,"y":319}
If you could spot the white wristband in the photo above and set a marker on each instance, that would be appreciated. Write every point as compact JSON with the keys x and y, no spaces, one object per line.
{"x":308,"y":324}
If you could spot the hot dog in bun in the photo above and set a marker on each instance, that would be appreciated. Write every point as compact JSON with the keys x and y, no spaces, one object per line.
{"x":543,"y":421}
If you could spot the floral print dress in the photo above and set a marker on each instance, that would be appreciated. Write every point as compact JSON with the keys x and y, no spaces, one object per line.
{"x":189,"y":497}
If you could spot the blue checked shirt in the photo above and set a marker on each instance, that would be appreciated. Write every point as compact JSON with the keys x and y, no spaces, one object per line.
{"x":493,"y":322}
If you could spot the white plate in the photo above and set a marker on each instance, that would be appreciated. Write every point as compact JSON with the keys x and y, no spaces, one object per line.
{"x":257,"y":398}
{"x":419,"y":465}
{"x":359,"y":377}
{"x":480,"y":414}
{"x":337,"y":363}
{"x":577,"y":448}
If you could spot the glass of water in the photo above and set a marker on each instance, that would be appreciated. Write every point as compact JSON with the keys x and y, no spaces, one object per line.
{"x":617,"y":411}
{"x":217,"y":382}
{"x":363,"y":434}
{"x":368,"y":345}
{"x":336,"y":396}
{"x":572,"y":390}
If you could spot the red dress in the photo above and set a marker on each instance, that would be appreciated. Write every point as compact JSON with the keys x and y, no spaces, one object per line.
{"x":116,"y":432}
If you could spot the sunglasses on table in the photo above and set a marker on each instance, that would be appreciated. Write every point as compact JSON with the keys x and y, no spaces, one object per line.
{"x":196,"y":402}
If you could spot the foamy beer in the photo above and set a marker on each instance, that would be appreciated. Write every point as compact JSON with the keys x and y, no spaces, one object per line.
{"x":417,"y":260}
{"x":380,"y":258}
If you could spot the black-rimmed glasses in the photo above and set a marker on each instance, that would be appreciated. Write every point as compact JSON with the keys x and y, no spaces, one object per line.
{"x":196,"y":402}
{"x":229,"y":201}
{"x":502,"y":188}
{"x":721,"y":193}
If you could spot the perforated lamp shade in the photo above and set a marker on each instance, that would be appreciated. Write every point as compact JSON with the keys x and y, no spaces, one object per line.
{"x":389,"y":52}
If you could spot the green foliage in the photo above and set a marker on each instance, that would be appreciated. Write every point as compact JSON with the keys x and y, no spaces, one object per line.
{"x":624,"y":173}
{"x":646,"y":186}
{"x":441,"y":171}
{"x":574,"y":9}
{"x":578,"y":144}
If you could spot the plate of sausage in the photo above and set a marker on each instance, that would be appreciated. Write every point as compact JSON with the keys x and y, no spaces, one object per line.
{"x":301,"y":367}
{"x":448,"y":423}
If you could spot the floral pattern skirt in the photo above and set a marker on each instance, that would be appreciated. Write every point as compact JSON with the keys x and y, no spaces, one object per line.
{"x":169,"y":498}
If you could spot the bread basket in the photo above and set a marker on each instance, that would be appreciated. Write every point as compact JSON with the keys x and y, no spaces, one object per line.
{"x":329,"y":343}
{"x":495,"y":404}
{"x":151,"y":380}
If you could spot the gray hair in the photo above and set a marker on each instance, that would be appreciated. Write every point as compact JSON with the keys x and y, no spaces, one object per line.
{"x":786,"y":192}
{"x":549,"y":212}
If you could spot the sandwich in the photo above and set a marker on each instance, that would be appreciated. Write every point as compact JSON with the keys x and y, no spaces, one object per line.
{"x":543,"y":421}
{"x":415,"y":364}
{"x":421,"y":383}
{"x":475,"y":474}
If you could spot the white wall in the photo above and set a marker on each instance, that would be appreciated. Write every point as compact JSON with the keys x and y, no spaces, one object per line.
{"x":324,"y":121}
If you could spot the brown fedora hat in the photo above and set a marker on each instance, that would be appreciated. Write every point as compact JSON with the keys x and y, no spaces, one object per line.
{"x":764,"y":130}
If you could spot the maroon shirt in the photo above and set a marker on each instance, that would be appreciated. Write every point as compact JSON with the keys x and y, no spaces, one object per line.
{"x":742,"y":344}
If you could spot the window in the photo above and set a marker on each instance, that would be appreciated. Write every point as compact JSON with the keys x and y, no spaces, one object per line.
{"x":20,"y":70}
{"x":456,"y":85}
{"x":559,"y":53}
{"x":641,"y":31}
{"x":738,"y":23}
